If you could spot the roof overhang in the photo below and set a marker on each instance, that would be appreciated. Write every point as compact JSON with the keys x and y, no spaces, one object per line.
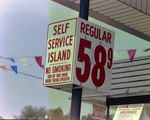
{"x":112,"y":18}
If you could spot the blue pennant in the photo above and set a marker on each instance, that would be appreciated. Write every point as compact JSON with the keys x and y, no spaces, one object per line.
{"x":14,"y":69}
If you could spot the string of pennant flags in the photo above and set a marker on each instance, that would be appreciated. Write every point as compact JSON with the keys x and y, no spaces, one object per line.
{"x":131,"y":53}
{"x":38,"y":59}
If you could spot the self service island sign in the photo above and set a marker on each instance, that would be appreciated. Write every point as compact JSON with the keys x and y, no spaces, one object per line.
{"x":79,"y":52}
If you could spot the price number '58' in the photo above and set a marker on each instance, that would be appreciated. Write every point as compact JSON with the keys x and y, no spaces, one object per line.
{"x":98,"y":80}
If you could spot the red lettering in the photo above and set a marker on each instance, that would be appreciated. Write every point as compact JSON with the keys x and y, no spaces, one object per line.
{"x":67,"y":26}
{"x":49,"y":76}
{"x":55,"y":30}
{"x":61,"y":68}
{"x":49,"y":44}
{"x":95,"y":32}
{"x":59,"y":56}
{"x":82,"y":27}
{"x":91,"y":31}
{"x":51,"y":57}
{"x":56,"y":43}
{"x":47,"y":80}
{"x":48,"y":70}
{"x":99,"y":34}
{"x":62,"y":29}
{"x":58,"y":75}
{"x":66,"y":40}
{"x":64,"y":55}
{"x":104,"y":36}
{"x":53,"y":43}
{"x":87,"y":29}
{"x":60,"y":42}
{"x":70,"y":39}
{"x":68,"y":54}
{"x":59,"y":28}
{"x":109,"y":37}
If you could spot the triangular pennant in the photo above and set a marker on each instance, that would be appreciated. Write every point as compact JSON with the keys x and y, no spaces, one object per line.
{"x":14,"y":68}
{"x":145,"y":49}
{"x":131,"y":54}
{"x":116,"y":54}
{"x":127,"y":91}
{"x":3,"y":67}
{"x":25,"y":66}
{"x":39,"y":61}
{"x":11,"y":59}
{"x":24,"y":60}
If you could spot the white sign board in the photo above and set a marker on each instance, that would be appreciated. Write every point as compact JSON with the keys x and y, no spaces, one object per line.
{"x":130,"y":112}
{"x":99,"y":112}
{"x":79,"y":52}
{"x":60,"y":52}
{"x":94,"y":56}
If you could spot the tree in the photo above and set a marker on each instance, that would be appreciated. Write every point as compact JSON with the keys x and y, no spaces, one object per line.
{"x":67,"y":117}
{"x":111,"y":117}
{"x":1,"y":118}
{"x":30,"y":112}
{"x":56,"y":114}
{"x":88,"y":117}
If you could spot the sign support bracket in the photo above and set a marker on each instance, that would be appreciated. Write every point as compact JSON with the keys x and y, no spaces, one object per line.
{"x":77,"y":93}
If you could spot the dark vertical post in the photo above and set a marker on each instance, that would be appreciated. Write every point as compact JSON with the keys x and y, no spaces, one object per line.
{"x":107,"y":112}
{"x":107,"y":107}
{"x":84,"y":9}
{"x":76,"y":103}
{"x":77,"y":92}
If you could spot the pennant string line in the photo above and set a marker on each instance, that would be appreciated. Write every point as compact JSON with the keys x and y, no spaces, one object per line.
{"x":21,"y":57}
{"x":23,"y":25}
{"x":20,"y":65}
{"x":25,"y":74}
{"x":131,"y":49}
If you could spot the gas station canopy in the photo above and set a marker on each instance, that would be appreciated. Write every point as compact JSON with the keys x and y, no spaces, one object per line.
{"x":131,"y":16}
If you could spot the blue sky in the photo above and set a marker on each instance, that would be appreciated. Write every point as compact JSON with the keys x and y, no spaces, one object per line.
{"x":23,"y":32}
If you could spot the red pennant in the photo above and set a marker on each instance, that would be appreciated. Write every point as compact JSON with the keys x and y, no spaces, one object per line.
{"x":131,"y":54}
{"x":39,"y":61}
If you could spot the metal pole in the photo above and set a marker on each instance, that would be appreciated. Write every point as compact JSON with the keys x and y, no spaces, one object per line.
{"x":84,"y":9}
{"x":107,"y":112}
{"x":76,"y":104}
{"x":107,"y":107}
{"x":77,"y":93}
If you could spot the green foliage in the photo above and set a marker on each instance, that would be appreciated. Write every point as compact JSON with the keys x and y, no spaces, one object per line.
{"x":56,"y":114}
{"x":30,"y":112}
{"x":67,"y":117}
{"x":88,"y":117}
{"x":39,"y":113}
{"x":111,"y":117}
{"x":1,"y":118}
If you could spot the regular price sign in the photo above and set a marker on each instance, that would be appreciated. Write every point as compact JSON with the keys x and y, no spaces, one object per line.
{"x":79,"y":52}
{"x":60,"y":52}
{"x":94,"y":56}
